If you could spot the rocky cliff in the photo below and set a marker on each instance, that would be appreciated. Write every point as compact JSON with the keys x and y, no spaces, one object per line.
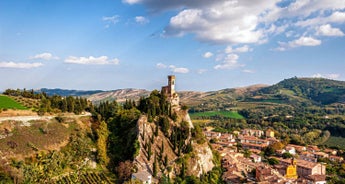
{"x":173,"y":151}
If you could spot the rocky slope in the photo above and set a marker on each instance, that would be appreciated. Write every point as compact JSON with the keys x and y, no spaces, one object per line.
{"x":158,"y":156}
{"x":120,"y":95}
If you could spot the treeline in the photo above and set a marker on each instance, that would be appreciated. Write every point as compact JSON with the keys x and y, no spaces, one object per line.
{"x":55,"y":103}
{"x":156,"y":104}
{"x":24,"y":93}
{"x":64,"y":104}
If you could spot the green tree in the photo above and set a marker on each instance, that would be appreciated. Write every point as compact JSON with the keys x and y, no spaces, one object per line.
{"x":102,"y":137}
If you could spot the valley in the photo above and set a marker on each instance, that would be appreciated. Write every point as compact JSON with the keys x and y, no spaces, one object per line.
{"x":162,"y":134}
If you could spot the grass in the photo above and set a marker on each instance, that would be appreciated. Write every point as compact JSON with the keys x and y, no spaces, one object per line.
{"x":40,"y":135}
{"x":209,"y":114}
{"x":336,"y":142}
{"x":8,"y":103}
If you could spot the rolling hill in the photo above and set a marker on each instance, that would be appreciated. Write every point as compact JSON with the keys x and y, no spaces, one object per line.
{"x":293,"y":92}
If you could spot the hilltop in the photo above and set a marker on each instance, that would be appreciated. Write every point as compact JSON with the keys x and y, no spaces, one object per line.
{"x":293,"y":91}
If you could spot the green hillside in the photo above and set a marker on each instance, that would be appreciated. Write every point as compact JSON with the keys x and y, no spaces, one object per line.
{"x":8,"y":103}
{"x":317,"y":91}
{"x":216,"y":114}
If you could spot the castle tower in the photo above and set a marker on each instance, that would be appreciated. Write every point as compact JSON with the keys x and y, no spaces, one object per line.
{"x":169,"y":91}
{"x":171,"y":84}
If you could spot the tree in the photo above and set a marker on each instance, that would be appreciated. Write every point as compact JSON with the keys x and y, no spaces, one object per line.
{"x":273,"y":161}
{"x":287,"y":155}
{"x":102,"y":137}
{"x":124,"y":170}
{"x":268,"y":151}
{"x":247,"y":153}
{"x":155,"y":169}
{"x":277,"y":145}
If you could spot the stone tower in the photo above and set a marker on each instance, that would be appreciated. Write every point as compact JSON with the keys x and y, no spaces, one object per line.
{"x":169,"y":91}
{"x":171,"y":83}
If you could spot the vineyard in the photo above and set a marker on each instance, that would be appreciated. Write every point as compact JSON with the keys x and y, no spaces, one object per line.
{"x":87,"y":178}
{"x":8,"y":103}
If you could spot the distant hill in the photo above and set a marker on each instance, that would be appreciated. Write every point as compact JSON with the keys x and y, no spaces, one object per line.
{"x":317,"y":91}
{"x":293,"y":91}
{"x":67,"y":92}
{"x":191,"y":98}
{"x":119,"y":95}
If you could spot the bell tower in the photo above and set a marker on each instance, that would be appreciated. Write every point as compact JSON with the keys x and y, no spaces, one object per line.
{"x":171,"y":84}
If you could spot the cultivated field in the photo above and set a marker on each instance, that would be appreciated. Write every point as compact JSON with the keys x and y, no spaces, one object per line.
{"x":213,"y":114}
{"x":8,"y":103}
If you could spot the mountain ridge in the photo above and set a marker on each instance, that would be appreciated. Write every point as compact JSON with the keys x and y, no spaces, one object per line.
{"x":295,"y":91}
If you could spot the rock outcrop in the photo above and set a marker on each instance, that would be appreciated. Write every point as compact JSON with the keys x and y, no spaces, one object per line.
{"x":158,"y":156}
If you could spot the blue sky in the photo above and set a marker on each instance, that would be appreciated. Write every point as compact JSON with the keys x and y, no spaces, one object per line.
{"x":207,"y":44}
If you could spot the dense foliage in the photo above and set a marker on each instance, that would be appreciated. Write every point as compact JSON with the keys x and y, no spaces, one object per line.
{"x":318,"y":90}
{"x":53,"y":103}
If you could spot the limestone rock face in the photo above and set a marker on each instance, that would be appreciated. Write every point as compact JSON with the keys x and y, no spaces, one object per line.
{"x":157,"y":148}
{"x":203,"y":161}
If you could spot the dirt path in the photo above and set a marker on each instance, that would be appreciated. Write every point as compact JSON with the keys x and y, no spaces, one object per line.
{"x":26,"y":119}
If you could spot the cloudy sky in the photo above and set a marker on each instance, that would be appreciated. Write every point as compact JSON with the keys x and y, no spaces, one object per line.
{"x":207,"y":44}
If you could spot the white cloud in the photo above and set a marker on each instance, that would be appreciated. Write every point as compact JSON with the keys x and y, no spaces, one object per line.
{"x":113,"y":19}
{"x":44,"y":56}
{"x":161,"y":65}
{"x":229,"y":62}
{"x":207,"y":54}
{"x":248,"y":71}
{"x":328,"y":76}
{"x":20,"y":65}
{"x":178,"y":69}
{"x":302,"y":41}
{"x":244,"y":48}
{"x":141,"y":20}
{"x":245,"y":22}
{"x":131,"y":1}
{"x":102,"y":60}
{"x":305,"y":41}
{"x":201,"y":71}
{"x":338,"y":17}
{"x":328,"y":30}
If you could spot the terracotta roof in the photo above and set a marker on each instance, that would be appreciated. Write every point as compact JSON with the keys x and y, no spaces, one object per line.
{"x":317,"y":177}
{"x":300,"y":163}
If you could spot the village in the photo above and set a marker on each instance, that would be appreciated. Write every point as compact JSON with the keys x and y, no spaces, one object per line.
{"x":243,"y":159}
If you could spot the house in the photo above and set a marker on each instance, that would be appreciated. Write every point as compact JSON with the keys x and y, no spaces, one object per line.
{"x":290,"y":149}
{"x":253,"y":140}
{"x":262,"y":172}
{"x":336,"y":158}
{"x":320,"y":155}
{"x":330,"y":151}
{"x":256,"y":158}
{"x":212,"y":135}
{"x":280,"y":152}
{"x":253,"y":146}
{"x":227,"y":138}
{"x":266,"y":175}
{"x":252,"y":132}
{"x":269,"y":133}
{"x":142,"y":176}
{"x":316,"y":179}
{"x":313,"y":148}
{"x":298,"y":148}
{"x":307,"y":157}
{"x":304,"y":168}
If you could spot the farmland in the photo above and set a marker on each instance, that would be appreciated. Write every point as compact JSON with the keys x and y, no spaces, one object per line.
{"x":214,"y":114}
{"x":338,"y":142}
{"x":9,"y":103}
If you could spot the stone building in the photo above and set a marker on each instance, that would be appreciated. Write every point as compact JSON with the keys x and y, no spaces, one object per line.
{"x":169,"y":91}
